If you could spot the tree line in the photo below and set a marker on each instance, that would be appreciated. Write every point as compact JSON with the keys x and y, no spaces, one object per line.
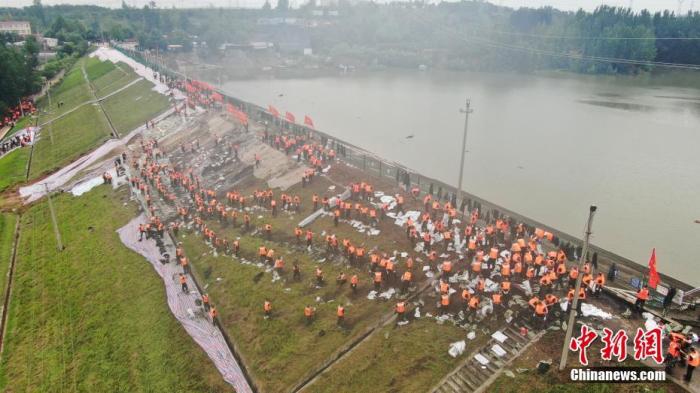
{"x":466,"y":35}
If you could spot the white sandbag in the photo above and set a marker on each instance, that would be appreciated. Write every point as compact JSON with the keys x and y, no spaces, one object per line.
{"x":457,"y":348}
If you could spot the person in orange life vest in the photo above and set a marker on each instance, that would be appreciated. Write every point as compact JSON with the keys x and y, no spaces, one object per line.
{"x":273,"y":206}
{"x":319,"y":276}
{"x":505,"y":290}
{"x":497,"y":299}
{"x":426,"y":241}
{"x":673,"y":355}
{"x":399,"y":203}
{"x":581,"y":297}
{"x":309,"y":313}
{"x":309,"y":238}
{"x":406,"y":281}
{"x":267,"y":308}
{"x":268,"y":231}
{"x":341,"y":315}
{"x":297,"y":233}
{"x":573,"y":275}
{"x":279,"y":265}
{"x":446,"y":269}
{"x":444,"y":303}
{"x":473,"y":305}
{"x":642,"y":297}
{"x":545,"y":284}
{"x":377,"y":280}
{"x":336,"y":216}
{"x":183,"y":283}
{"x":599,"y":284}
{"x":213,"y":313}
{"x":541,"y":312}
{"x":400,"y":310}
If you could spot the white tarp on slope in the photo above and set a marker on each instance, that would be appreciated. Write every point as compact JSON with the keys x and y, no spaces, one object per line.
{"x":105,"y":53}
{"x":58,"y":179}
{"x":181,"y":304}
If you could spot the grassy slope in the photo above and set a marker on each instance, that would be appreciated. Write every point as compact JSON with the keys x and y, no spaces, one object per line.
{"x":130,"y":108}
{"x":73,"y":135}
{"x":96,"y":68}
{"x":7,"y":232}
{"x":72,"y":91}
{"x":13,"y":168}
{"x":86,"y":128}
{"x":119,"y":77}
{"x":409,"y":358}
{"x":282,"y":350}
{"x":94,"y":317}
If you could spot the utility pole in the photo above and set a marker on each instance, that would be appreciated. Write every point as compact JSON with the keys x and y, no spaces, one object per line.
{"x":574,"y":303}
{"x":20,"y":107}
{"x":466,"y":112}
{"x":53,"y":218}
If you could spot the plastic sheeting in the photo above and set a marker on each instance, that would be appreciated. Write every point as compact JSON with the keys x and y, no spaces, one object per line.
{"x":181,"y":305}
{"x":457,"y":348}
{"x":589,"y":310}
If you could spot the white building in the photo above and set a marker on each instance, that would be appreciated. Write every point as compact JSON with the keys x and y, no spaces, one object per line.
{"x":20,"y":28}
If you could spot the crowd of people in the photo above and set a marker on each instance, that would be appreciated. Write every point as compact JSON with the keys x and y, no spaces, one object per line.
{"x":13,"y":114}
{"x":480,"y":260}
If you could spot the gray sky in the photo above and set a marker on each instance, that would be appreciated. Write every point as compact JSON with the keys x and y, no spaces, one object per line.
{"x":653,"y":5}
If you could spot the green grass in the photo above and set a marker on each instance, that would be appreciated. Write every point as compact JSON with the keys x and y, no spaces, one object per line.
{"x":73,"y":135}
{"x":72,"y":91}
{"x":114,"y":80}
{"x":96,"y":68}
{"x":7,"y":232}
{"x":130,"y":108}
{"x":280,"y":351}
{"x":86,"y":128}
{"x":410,"y":358}
{"x":93,"y":318}
{"x":13,"y":167}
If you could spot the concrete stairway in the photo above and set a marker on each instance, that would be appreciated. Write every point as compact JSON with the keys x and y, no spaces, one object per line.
{"x":472,"y":376}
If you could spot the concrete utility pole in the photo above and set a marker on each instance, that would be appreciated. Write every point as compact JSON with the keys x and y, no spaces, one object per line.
{"x":53,"y":218}
{"x":572,"y":306}
{"x":466,"y":112}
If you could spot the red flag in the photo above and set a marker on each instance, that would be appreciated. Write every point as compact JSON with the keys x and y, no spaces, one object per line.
{"x":308,"y":121}
{"x":653,"y":274}
{"x":273,"y":111}
{"x":290,"y":117}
